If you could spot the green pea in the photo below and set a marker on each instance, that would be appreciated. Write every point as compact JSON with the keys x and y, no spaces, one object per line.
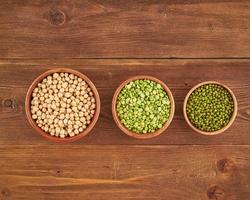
{"x":210,"y":107}
{"x":143,"y":106}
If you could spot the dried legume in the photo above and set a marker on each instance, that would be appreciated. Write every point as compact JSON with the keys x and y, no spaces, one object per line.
{"x":210,"y":107}
{"x":143,"y":106}
{"x":59,"y":107}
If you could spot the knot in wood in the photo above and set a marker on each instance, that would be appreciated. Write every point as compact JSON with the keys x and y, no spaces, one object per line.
{"x":226,"y":165}
{"x":5,"y":192}
{"x":216,"y":193}
{"x":56,"y":17}
{"x":8,"y":103}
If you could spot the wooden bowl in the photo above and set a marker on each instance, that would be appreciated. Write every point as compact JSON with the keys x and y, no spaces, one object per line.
{"x":222,"y":129}
{"x":47,"y":135}
{"x":131,"y":133}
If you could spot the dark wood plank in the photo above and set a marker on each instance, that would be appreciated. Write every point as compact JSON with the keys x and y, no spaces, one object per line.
{"x":179,"y":75}
{"x":124,"y":28}
{"x":124,"y":172}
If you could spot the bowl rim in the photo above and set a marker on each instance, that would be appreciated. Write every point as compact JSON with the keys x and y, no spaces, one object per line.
{"x":28,"y":98}
{"x":131,"y":133}
{"x":232,"y":117}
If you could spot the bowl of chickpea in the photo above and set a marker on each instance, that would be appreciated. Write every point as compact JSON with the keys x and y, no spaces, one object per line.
{"x":62,"y":105}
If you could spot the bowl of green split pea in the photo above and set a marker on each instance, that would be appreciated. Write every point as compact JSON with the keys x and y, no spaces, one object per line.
{"x":143,"y":107}
{"x":210,"y":108}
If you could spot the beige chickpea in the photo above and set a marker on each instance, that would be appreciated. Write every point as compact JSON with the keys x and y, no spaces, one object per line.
{"x":77,"y":93}
{"x":67,"y":78}
{"x":71,"y":134}
{"x":65,"y":121}
{"x":77,"y":101}
{"x":33,"y":112}
{"x":52,"y":132}
{"x":82,"y":119}
{"x":50,"y":121}
{"x":68,"y":101}
{"x":53,"y":106}
{"x":60,"y":95}
{"x":74,"y":109}
{"x":43,"y":86}
{"x":88,"y":118}
{"x":61,"y":116}
{"x":55,"y":112}
{"x":83,"y":83}
{"x":34,"y":116}
{"x":71,"y":90}
{"x":69,"y":110}
{"x":70,"y":126}
{"x":46,"y":128}
{"x":60,"y":123}
{"x":73,"y":103}
{"x":43,"y":116}
{"x":86,"y":106}
{"x":62,"y":104}
{"x":56,"y":120}
{"x":80,"y":114}
{"x":80,"y":129}
{"x":86,"y":96}
{"x":35,"y":90}
{"x":67,"y":115}
{"x":67,"y":94}
{"x":76,"y":126}
{"x":81,"y":98}
{"x":65,"y":100}
{"x":61,"y":90}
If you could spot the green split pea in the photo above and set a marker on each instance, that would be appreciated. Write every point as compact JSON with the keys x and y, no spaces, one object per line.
{"x":210,"y":107}
{"x":143,"y":106}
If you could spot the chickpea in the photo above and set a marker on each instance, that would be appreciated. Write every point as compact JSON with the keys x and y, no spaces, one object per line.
{"x":62,"y":105}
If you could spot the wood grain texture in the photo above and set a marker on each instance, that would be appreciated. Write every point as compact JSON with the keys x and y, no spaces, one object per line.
{"x":124,"y":172}
{"x":125,"y":29}
{"x":180,"y":75}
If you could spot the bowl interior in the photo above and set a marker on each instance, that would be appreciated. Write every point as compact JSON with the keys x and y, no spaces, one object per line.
{"x":232,"y":117}
{"x":29,"y":98}
{"x":131,"y":133}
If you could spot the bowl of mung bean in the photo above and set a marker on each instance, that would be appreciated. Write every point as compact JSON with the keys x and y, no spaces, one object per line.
{"x":62,"y":105}
{"x":143,"y":107}
{"x":210,"y":108}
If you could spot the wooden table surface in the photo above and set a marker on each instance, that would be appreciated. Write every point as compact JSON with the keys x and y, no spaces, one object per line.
{"x":181,"y":42}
